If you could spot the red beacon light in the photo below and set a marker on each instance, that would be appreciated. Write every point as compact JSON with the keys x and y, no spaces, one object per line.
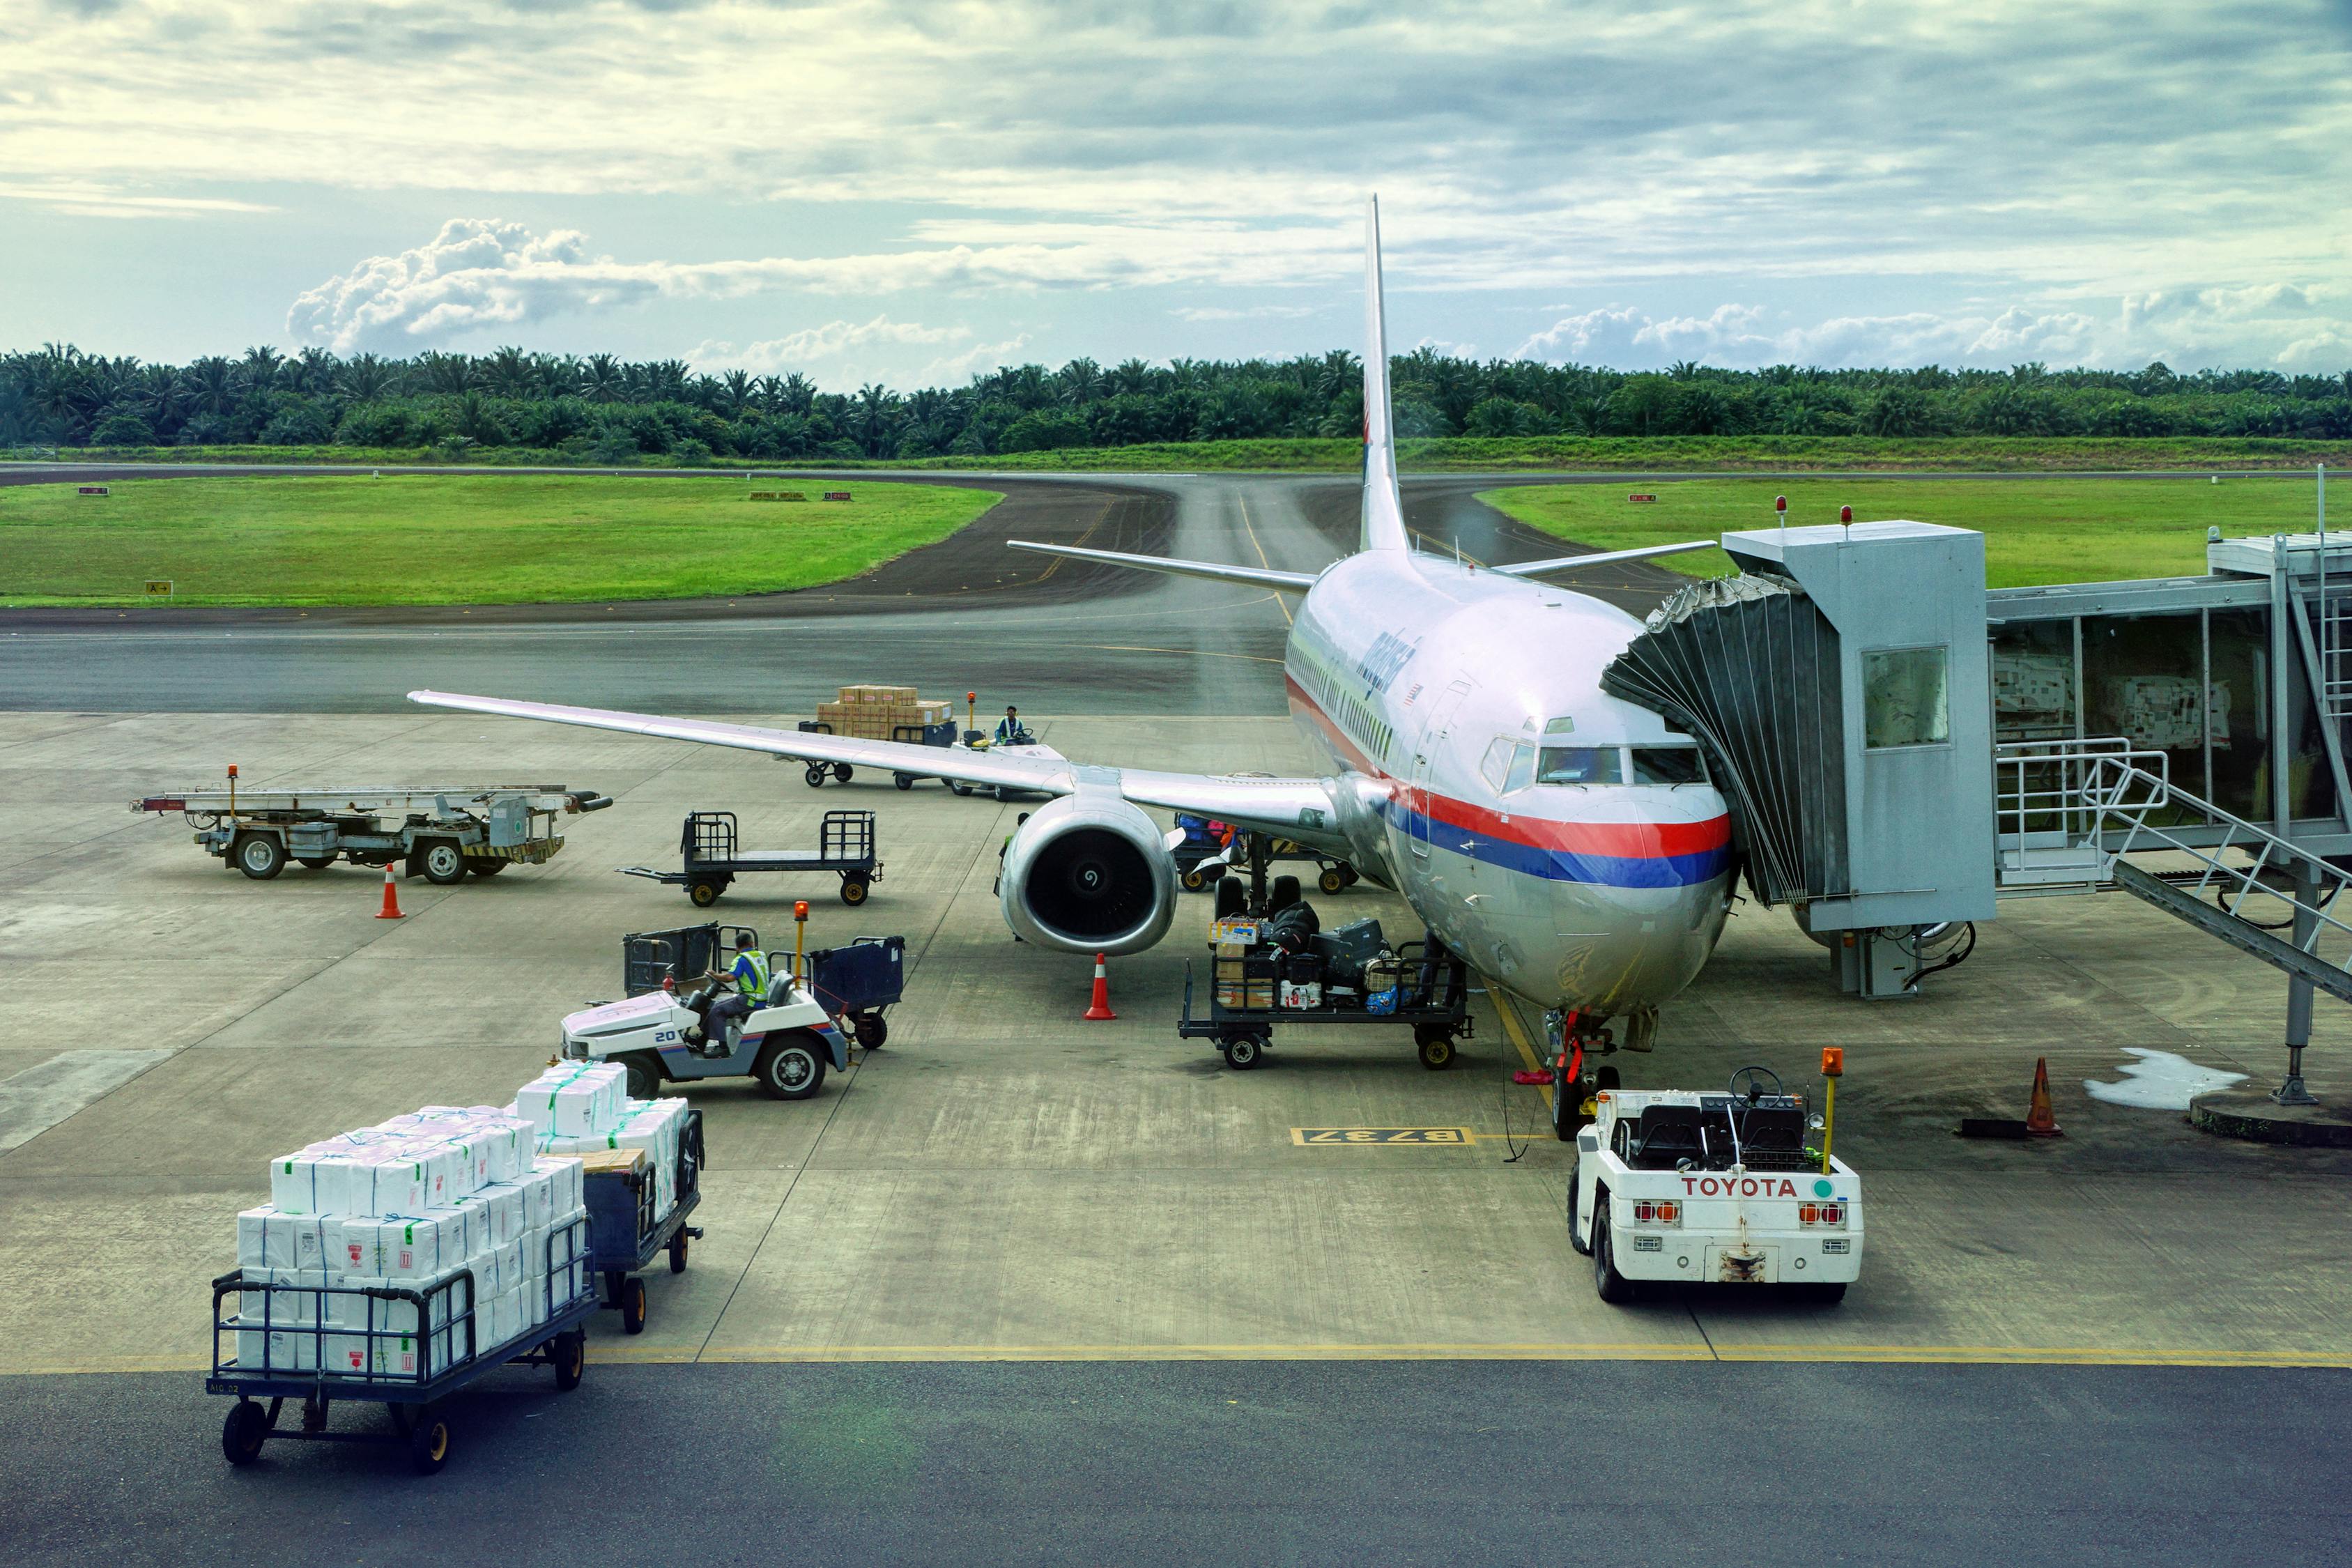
{"x":1781,"y":505}
{"x":1846,"y":514}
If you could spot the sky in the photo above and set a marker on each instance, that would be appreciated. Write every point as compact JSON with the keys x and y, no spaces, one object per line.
{"x":911,"y":193}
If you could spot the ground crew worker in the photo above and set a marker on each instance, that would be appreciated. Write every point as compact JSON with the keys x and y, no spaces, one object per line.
{"x":1000,"y":851}
{"x":1009,"y":731}
{"x":750,"y":974}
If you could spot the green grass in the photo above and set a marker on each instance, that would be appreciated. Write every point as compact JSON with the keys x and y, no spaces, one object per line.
{"x":2084,"y":530}
{"x":1629,"y":454}
{"x":451,"y":539}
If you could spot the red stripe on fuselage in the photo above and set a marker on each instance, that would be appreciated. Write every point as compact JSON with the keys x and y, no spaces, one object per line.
{"x":1614,"y":838}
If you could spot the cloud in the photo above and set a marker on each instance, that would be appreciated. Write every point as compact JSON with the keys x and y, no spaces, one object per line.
{"x":481,"y":274}
{"x":83,"y":199}
{"x":830,"y":340}
{"x":1245,"y":313}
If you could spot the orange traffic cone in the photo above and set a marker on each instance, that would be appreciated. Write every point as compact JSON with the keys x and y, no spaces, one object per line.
{"x":2041,"y":1122}
{"x":391,"y":911}
{"x":1100,"y":1009}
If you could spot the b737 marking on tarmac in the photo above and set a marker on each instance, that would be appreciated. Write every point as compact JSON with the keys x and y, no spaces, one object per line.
{"x":1450,"y":1137}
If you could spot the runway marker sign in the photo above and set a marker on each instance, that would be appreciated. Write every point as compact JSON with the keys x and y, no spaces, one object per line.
{"x":159,"y":587}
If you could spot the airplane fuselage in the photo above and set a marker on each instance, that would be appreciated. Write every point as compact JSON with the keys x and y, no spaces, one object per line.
{"x":1566,"y":842}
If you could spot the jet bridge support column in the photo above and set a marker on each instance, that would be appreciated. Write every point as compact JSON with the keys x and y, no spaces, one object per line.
{"x":2298,"y":989}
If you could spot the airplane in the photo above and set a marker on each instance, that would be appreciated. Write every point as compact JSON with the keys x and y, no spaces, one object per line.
{"x":1567,"y":844}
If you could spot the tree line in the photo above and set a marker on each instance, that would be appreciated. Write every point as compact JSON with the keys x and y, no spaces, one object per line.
{"x":601,"y":409}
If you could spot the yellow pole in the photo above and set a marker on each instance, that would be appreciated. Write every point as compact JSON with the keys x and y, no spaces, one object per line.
{"x":799,"y":938}
{"x":1832,"y":1068}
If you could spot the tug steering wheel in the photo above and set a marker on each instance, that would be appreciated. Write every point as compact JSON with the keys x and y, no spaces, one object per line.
{"x":1748,"y":1084}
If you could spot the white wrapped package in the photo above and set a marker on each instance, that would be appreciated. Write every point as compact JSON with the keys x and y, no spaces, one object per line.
{"x":267,"y":1239}
{"x":509,"y":1261}
{"x":405,"y":1249}
{"x":534,"y":1253}
{"x":566,"y":1191}
{"x":574,"y":1101}
{"x":506,"y":1203}
{"x":294,"y":1183}
{"x":276,"y":1350}
{"x":295,"y":1308}
{"x":506,"y":1316}
{"x":538,"y":1189}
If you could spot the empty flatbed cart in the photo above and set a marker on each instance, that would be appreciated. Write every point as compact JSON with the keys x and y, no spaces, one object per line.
{"x":708,"y":846}
{"x":440,"y":831}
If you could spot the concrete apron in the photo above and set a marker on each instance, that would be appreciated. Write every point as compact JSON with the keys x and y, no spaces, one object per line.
{"x":1006,"y":1181}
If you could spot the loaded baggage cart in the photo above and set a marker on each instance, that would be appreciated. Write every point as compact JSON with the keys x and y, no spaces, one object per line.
{"x":872,"y":712}
{"x":1348,"y":976}
{"x":394,"y":1265}
{"x":711,"y":857}
{"x":630,"y":1222}
{"x":440,"y":832}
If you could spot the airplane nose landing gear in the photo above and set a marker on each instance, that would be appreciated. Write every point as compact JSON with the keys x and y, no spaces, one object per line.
{"x":1576,"y":1040}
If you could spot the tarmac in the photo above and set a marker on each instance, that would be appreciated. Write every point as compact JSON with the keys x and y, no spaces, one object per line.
{"x":1102,"y":1212}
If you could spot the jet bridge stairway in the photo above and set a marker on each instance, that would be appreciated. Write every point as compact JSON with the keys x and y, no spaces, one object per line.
{"x":2071,"y":814}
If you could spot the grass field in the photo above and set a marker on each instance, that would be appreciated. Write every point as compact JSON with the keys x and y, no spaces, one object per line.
{"x":450,"y":539}
{"x":1567,"y":454}
{"x":2036,"y":530}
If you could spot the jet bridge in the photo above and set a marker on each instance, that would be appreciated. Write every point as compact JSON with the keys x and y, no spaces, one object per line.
{"x":1899,"y":746}
{"x":1839,"y":686}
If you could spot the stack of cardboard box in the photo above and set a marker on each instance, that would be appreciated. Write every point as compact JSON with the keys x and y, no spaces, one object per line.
{"x":877,"y":712}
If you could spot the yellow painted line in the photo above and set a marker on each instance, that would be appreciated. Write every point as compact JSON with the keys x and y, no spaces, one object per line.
{"x":1279,"y":602}
{"x":1507,"y":1010}
{"x":1598,"y":1350}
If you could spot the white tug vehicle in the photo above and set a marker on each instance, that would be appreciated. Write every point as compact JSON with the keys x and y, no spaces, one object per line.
{"x":1715,"y":1188}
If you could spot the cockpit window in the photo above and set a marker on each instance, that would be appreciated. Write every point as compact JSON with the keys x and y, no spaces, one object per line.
{"x":1496,"y":764}
{"x":1579,"y":766}
{"x":1668,"y":765}
{"x":1523,"y":768}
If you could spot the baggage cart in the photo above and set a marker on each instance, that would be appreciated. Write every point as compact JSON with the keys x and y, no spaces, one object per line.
{"x":405,"y":1347}
{"x":857,"y":983}
{"x":628,"y":1233}
{"x":906,"y":735}
{"x":712,"y":859}
{"x":1432,"y":995}
{"x":1200,"y":845}
{"x":440,"y":832}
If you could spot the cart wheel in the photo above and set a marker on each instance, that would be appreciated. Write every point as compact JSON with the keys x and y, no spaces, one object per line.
{"x":633,"y":1305}
{"x":1436,"y":1048}
{"x":815,"y":773}
{"x":791,"y":1067}
{"x":243,"y":1432}
{"x":1242,"y":1052}
{"x":428,"y":1441}
{"x":841,"y":772}
{"x":677,"y":1253}
{"x":487,"y":868}
{"x":315,"y":862}
{"x":1331,"y":882}
{"x":904,"y":781}
{"x":853,"y":891}
{"x":569,"y":1350}
{"x":442,"y":862}
{"x":872,"y":1030}
{"x":1349,"y":873}
{"x":704,"y":894}
{"x":260,"y":855}
{"x":1194,"y":881}
{"x":956,"y":787}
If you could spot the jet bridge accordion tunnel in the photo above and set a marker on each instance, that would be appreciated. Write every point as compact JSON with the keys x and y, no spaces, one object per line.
{"x":1840,"y":685}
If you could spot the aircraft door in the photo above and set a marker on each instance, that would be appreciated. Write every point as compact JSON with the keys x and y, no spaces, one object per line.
{"x":1425,"y":752}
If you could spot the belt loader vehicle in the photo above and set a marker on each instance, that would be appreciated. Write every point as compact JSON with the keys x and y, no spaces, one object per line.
{"x":1675,"y":1184}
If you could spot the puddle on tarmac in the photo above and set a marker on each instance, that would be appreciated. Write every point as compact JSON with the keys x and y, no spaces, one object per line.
{"x":2160,"y":1080}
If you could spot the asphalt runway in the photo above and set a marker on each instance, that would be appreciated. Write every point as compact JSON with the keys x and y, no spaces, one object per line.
{"x":1232,"y":1463}
{"x":967,"y":613}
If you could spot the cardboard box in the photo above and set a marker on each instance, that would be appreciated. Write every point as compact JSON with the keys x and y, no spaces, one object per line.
{"x":1257,"y":993}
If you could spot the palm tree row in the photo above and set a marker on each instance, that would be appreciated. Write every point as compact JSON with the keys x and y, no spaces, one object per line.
{"x":604,"y":408}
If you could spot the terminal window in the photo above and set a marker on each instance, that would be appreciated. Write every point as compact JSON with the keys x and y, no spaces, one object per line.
{"x":1905,"y":700}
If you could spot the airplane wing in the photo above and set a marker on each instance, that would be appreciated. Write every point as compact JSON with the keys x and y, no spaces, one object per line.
{"x":1216,"y":571}
{"x":1562,"y":566}
{"x":1298,"y":808}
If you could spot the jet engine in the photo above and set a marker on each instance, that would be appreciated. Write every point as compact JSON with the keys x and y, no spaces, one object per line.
{"x":1088,"y":873}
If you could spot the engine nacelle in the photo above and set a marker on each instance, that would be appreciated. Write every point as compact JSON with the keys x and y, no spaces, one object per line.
{"x":1088,"y":873}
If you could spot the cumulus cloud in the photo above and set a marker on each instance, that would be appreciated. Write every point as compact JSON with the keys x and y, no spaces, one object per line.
{"x":830,"y":340}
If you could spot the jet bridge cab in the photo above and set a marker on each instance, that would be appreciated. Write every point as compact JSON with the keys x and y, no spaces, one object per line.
{"x":1712,"y":1188}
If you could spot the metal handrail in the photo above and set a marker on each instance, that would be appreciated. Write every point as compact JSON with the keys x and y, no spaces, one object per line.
{"x":2104,"y":800}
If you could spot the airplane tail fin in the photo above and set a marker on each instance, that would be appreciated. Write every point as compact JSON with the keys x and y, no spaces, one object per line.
{"x":1382,"y":522}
